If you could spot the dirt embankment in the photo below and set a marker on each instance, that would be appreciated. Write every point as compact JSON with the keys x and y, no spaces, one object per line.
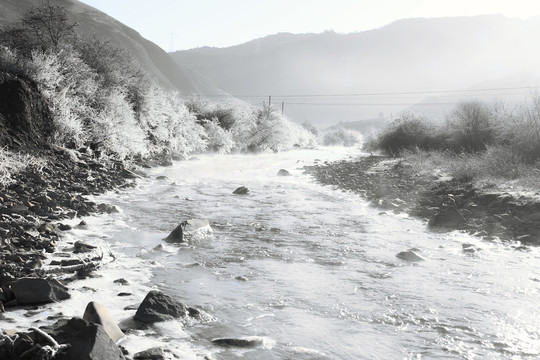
{"x":445,"y":204}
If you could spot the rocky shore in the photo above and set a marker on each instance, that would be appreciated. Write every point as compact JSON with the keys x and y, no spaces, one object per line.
{"x":444,"y":203}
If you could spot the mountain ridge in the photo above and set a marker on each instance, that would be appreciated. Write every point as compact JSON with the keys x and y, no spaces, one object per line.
{"x":152,"y":59}
{"x":408,"y":55}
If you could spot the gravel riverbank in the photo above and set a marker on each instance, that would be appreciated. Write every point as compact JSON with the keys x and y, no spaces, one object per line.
{"x":442,"y":202}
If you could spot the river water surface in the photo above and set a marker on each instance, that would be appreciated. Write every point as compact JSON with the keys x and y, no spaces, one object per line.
{"x":309,"y":270}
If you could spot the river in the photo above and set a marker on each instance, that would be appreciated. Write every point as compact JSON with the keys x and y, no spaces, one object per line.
{"x":310,"y":270}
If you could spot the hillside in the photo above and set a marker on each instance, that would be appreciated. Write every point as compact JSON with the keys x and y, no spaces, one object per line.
{"x":156,"y":62}
{"x":406,"y":56}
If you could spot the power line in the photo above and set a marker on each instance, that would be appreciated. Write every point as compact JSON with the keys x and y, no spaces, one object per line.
{"x":369,"y":94}
{"x":370,"y":104}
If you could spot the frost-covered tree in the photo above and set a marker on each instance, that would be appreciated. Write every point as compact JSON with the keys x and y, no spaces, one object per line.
{"x":44,"y":27}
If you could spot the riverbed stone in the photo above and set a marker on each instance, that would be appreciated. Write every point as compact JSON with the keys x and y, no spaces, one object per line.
{"x":98,"y":314}
{"x":83,"y":247}
{"x":189,"y":227}
{"x":38,"y":291}
{"x":411,"y":255}
{"x":89,"y":341}
{"x":283,"y":172}
{"x":155,"y":353}
{"x":158,"y":306}
{"x":242,"y":190}
{"x":245,"y":342}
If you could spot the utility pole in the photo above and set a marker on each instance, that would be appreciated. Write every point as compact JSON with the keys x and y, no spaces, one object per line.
{"x":282,"y":107}
{"x":269,"y":100}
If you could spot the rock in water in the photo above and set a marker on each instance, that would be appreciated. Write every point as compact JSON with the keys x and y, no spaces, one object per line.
{"x":177,"y":235}
{"x":158,"y":306}
{"x":189,"y":228}
{"x":98,"y":314}
{"x":156,"y":353}
{"x":410,"y":255}
{"x":38,"y":291}
{"x":88,"y":341}
{"x":242,"y":190}
{"x":247,"y":342}
{"x":283,"y":172}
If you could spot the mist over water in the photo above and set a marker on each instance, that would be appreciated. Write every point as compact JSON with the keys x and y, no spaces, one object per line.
{"x":309,"y":270}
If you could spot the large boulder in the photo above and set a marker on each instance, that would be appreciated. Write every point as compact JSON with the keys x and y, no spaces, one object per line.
{"x":38,"y":291}
{"x":283,"y":172}
{"x":411,"y":255}
{"x":155,"y":353}
{"x":98,"y":314}
{"x":88,"y":341}
{"x":189,"y":228}
{"x":158,"y":306}
{"x":242,"y":190}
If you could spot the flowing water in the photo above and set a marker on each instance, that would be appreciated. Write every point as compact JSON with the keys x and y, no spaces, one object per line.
{"x":309,"y":270}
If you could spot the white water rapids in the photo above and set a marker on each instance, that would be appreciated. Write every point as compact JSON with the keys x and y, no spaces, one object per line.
{"x":309,"y":269}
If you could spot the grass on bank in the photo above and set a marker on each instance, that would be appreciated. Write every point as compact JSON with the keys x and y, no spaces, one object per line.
{"x":12,"y":163}
{"x":477,"y":142}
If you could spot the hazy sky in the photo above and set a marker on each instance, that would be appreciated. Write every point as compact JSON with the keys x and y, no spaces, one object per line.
{"x":185,"y":24}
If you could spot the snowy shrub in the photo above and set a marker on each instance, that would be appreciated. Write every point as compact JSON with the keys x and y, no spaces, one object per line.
{"x":70,"y":86}
{"x":169,"y":125}
{"x":340,"y":137}
{"x":114,"y":129}
{"x":219,"y":139}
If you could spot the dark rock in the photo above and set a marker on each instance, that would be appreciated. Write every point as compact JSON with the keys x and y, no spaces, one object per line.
{"x":410,"y":255}
{"x":71,"y":262}
{"x":247,"y":342}
{"x":89,"y":341}
{"x":158,"y":306}
{"x":98,"y":314}
{"x":82,"y":225}
{"x":189,"y":228}
{"x":177,"y":235}
{"x":106,"y":208}
{"x":124,"y":294}
{"x":64,"y":227}
{"x":242,"y":190}
{"x":283,"y":172}
{"x":83,"y":247}
{"x":37,"y":291}
{"x":449,"y":218}
{"x":121,"y":281}
{"x":469,"y":248}
{"x":156,"y":353}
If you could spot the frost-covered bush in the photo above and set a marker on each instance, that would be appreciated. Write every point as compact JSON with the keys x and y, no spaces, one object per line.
{"x":70,"y":87}
{"x":269,"y":130}
{"x":339,"y":136}
{"x":219,"y":139}
{"x":115,"y":129}
{"x":86,"y":113}
{"x":169,"y":124}
{"x":471,"y":127}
